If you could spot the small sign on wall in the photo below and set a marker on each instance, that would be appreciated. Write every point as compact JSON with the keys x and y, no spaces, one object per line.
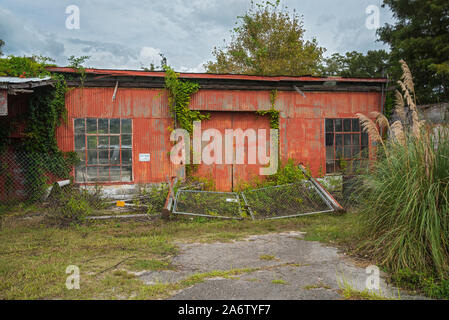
{"x":144,"y":157}
{"x":3,"y":102}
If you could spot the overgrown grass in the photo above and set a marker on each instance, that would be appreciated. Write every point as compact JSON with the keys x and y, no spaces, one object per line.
{"x":34,"y":256}
{"x":406,"y":205}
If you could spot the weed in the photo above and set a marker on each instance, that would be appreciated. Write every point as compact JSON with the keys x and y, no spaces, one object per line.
{"x":279,"y":281}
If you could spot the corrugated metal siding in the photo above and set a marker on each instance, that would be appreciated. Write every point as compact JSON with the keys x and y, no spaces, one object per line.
{"x":151,"y":119}
{"x":301,"y":124}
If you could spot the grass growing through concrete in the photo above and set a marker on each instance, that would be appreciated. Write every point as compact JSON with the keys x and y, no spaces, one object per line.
{"x":34,"y":256}
{"x":267,"y":257}
{"x":279,"y":281}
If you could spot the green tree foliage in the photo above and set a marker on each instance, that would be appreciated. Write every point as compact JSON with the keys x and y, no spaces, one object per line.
{"x":25,"y":67}
{"x":374,"y":64}
{"x":268,"y":40}
{"x":420,"y":36}
{"x":2,"y":43}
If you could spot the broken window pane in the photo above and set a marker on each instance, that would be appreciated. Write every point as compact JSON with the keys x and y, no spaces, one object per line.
{"x":338,"y":139}
{"x":115,"y":173}
{"x":92,"y":174}
{"x":80,"y":173}
{"x":80,"y":142}
{"x":127,"y":174}
{"x":103,"y":126}
{"x":126,"y":126}
{"x":103,"y":157}
{"x":329,"y":139}
{"x":338,"y":125}
{"x":126,"y":157}
{"x":347,"y":125}
{"x":80,"y":126}
{"x":347,"y":139}
{"x":103,"y":142}
{"x":91,"y":125}
{"x":355,"y":125}
{"x":329,"y":125}
{"x":114,"y":156}
{"x":329,"y":153}
{"x":356,"y":139}
{"x":92,"y":157}
{"x":339,"y":153}
{"x":330,"y":168}
{"x":364,"y":140}
{"x":348,"y":152}
{"x":92,"y":142}
{"x":126,"y":141}
{"x":81,"y":155}
{"x":114,"y":126}
{"x":103,"y":173}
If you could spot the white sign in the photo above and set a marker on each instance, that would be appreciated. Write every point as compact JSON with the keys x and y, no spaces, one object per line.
{"x":144,"y":157}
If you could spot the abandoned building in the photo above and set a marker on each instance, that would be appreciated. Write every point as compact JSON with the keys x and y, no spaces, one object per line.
{"x":119,"y":122}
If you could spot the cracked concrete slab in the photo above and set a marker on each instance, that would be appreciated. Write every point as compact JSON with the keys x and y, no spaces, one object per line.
{"x":287,"y":267}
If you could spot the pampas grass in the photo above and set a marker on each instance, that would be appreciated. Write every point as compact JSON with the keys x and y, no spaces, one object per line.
{"x":405,"y":198}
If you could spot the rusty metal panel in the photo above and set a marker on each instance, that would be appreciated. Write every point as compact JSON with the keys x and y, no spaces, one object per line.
{"x":128,"y":103}
{"x":301,"y":124}
{"x":231,"y":100}
{"x":229,"y":177}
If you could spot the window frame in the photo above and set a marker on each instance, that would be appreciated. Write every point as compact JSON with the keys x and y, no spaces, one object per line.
{"x":84,"y":162}
{"x":364,"y":149}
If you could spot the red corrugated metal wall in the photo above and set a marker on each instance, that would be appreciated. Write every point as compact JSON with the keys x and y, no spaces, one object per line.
{"x":151,"y":119}
{"x":301,"y":123}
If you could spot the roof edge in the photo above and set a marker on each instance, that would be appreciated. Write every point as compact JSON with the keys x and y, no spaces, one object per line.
{"x":211,"y":76}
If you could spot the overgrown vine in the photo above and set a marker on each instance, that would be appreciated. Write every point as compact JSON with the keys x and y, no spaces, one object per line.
{"x":40,"y":156}
{"x":273,"y":113}
{"x":179,"y":94}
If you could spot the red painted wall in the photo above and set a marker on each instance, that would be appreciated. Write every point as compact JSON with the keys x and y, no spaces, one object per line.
{"x":301,"y":123}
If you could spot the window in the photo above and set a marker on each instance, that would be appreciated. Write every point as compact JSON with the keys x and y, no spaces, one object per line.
{"x":346,"y":143}
{"x":105,"y":149}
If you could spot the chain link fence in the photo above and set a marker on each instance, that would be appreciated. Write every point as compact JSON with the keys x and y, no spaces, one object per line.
{"x":46,"y":181}
{"x":208,"y":204}
{"x":289,"y":200}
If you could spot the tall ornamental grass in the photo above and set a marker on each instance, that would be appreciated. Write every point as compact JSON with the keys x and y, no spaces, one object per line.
{"x":405,"y":198}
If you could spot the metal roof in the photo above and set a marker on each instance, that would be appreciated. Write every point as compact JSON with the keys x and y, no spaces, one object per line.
{"x":21,"y":80}
{"x":161,"y":74}
{"x":21,"y":83}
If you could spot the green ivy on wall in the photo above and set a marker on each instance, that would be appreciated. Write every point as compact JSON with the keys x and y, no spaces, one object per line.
{"x":273,"y":113}
{"x":179,"y":94}
{"x":40,"y":155}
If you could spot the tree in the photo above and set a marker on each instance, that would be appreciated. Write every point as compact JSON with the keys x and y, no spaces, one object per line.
{"x":2,"y":43}
{"x":375,"y":64}
{"x":420,"y":36}
{"x":268,"y":40}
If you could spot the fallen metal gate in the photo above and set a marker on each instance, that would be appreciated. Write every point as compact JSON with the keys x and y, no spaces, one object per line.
{"x":285,"y":201}
{"x":305,"y":197}
{"x":225,"y":205}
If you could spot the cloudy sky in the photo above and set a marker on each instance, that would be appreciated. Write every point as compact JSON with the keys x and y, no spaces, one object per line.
{"x":130,"y":34}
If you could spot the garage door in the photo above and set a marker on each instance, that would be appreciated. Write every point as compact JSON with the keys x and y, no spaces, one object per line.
{"x":229,"y":177}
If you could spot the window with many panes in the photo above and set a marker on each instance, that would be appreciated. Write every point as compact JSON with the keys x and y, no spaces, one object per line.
{"x":105,"y":149}
{"x":346,"y":143}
